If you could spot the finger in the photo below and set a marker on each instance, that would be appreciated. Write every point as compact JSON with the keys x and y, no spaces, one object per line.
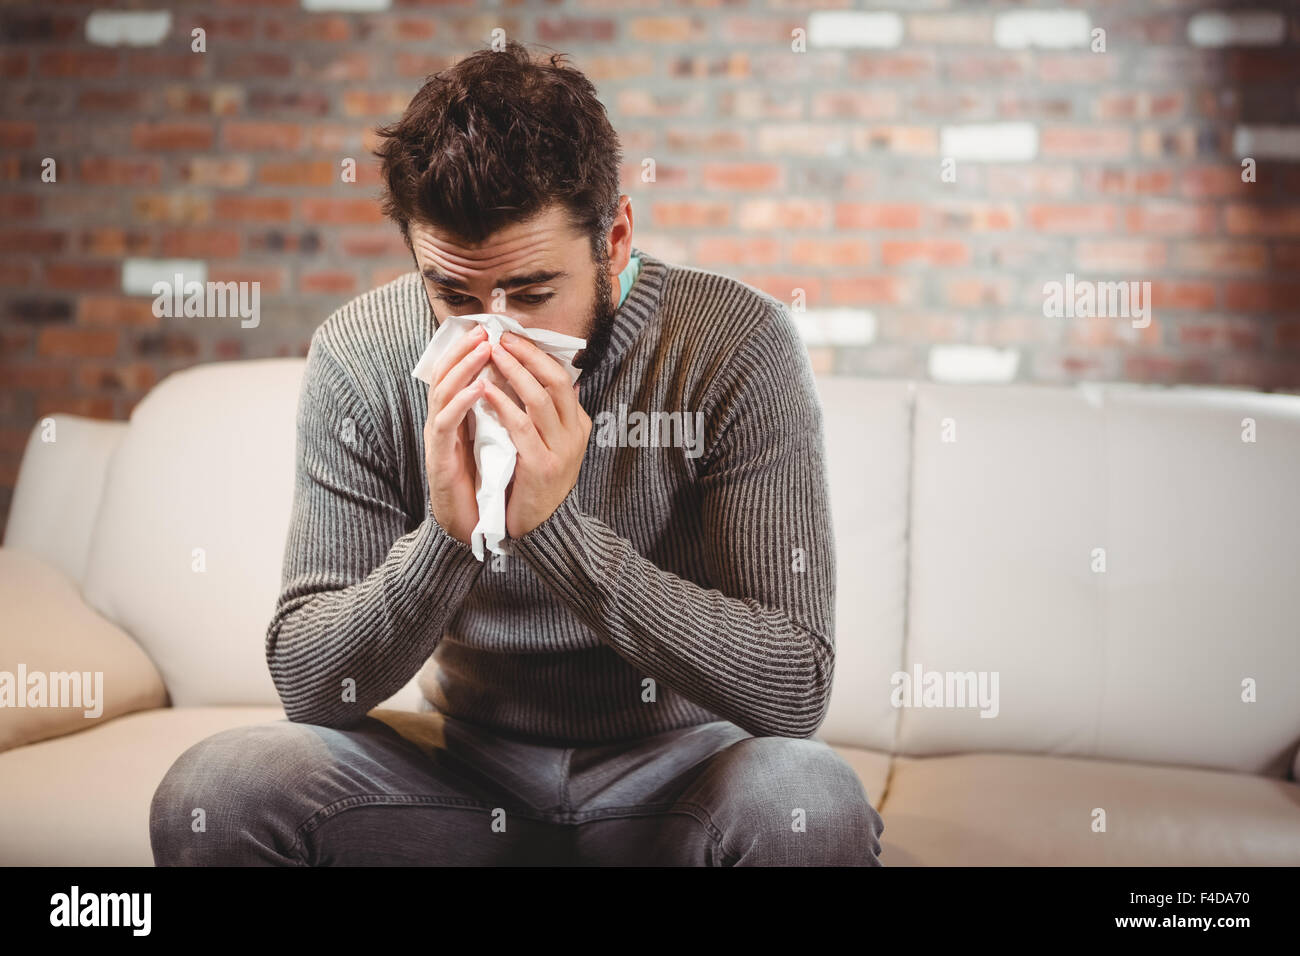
{"x":459,"y":375}
{"x":543,"y":367}
{"x":537,"y":400}
{"x":516,"y":422}
{"x":445,"y":425}
{"x":464,"y":344}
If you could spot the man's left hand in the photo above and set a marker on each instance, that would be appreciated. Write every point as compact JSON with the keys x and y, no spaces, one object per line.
{"x":550,"y":432}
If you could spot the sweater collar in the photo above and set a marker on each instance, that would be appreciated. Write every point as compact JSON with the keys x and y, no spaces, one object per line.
{"x":634,"y":314}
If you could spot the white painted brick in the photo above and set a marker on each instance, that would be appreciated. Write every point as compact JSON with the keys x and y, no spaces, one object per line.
{"x":972,"y":364}
{"x":1238,"y":28}
{"x":854,"y":28}
{"x":128,"y":27}
{"x":835,"y":326}
{"x":1267,"y":142}
{"x":355,"y":6}
{"x":1049,"y":29}
{"x":989,"y":142}
{"x":139,"y":275}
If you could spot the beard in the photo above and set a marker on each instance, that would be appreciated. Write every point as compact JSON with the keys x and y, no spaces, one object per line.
{"x":600,"y":324}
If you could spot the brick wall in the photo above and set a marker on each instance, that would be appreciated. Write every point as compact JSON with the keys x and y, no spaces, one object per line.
{"x":913,"y":176}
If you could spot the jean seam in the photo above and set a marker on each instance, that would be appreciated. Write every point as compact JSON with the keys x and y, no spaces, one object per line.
{"x":352,"y":801}
{"x":564,"y":780}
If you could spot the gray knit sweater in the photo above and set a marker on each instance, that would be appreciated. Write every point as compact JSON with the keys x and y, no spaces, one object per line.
{"x":678,"y":582}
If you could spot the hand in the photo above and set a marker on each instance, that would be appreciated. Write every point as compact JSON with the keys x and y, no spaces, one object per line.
{"x":448,"y":451}
{"x":550,"y":432}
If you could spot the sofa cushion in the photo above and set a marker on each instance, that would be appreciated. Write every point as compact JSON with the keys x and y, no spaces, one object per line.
{"x":1024,"y":810}
{"x":867,"y":453}
{"x":83,"y":799}
{"x":1122,"y":563}
{"x":47,"y":629}
{"x":187,"y":552}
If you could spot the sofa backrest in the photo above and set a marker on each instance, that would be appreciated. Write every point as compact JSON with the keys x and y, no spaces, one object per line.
{"x":55,"y":504}
{"x":1122,"y":559}
{"x":187,"y":548}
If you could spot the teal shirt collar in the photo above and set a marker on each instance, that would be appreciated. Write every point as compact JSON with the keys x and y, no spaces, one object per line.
{"x":627,"y":277}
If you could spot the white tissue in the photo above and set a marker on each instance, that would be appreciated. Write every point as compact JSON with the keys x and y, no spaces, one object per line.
{"x":494,"y":452}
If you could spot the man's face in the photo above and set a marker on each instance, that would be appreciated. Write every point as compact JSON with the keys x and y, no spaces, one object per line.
{"x":540,"y":273}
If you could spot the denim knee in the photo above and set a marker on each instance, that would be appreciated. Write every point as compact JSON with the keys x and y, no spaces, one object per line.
{"x":791,"y":801}
{"x":220,"y":801}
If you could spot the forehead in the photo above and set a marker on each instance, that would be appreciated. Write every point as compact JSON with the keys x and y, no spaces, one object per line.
{"x":546,"y":242}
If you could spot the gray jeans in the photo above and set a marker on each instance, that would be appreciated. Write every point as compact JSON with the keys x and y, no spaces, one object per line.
{"x":422,"y":789}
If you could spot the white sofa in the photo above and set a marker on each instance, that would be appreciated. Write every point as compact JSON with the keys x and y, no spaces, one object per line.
{"x":1121,"y":735}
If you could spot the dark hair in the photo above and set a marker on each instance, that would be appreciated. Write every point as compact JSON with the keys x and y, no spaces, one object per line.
{"x":496,"y":139}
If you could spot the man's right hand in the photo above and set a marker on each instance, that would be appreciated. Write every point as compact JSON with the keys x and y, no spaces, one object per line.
{"x":448,"y":451}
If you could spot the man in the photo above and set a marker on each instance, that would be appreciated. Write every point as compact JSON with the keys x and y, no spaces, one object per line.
{"x":639,"y":681}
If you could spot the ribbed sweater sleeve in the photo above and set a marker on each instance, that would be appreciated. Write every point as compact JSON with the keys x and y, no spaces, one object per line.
{"x":756,"y":646}
{"x":365,"y":588}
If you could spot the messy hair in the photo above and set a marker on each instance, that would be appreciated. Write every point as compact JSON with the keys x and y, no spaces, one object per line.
{"x":496,"y":139}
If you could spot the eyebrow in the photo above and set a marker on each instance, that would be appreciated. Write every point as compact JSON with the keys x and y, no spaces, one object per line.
{"x":514,"y":282}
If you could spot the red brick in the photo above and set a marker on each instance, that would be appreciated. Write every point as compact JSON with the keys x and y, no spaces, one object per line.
{"x":1087,"y":142}
{"x":305,"y":173}
{"x":1083,"y":218}
{"x":83,"y":276}
{"x":150,"y":63}
{"x":1222,"y":256}
{"x":830,"y":253}
{"x":1276,"y":295}
{"x":690,"y":214}
{"x":877,"y":215}
{"x":17,"y":135}
{"x":1120,"y":255}
{"x":255,"y":66}
{"x":979,"y":291}
{"x":748,"y":177}
{"x":62,"y":403}
{"x":1263,"y":220}
{"x":1206,"y":182}
{"x":18,"y":206}
{"x":371,"y":244}
{"x":932,"y":252}
{"x":341,"y":211}
{"x":253,"y":209}
{"x":227,"y":173}
{"x":783,"y":214}
{"x":1172,"y":218}
{"x":79,"y":64}
{"x":77,"y":342}
{"x":35,"y":376}
{"x":1180,"y":295}
{"x":32,"y":241}
{"x":120,"y":171}
{"x":271,"y":280}
{"x":166,"y":135}
{"x":116,"y":311}
{"x":130,"y":376}
{"x":871,"y":290}
{"x":280,"y":137}
{"x":199,"y":243}
{"x":333,"y":281}
{"x":1219,"y":332}
{"x":13,"y":65}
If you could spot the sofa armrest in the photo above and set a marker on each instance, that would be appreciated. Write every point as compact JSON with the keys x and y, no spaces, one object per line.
{"x":60,"y":483}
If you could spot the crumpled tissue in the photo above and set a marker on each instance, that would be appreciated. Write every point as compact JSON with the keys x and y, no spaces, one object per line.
{"x":494,"y":452}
